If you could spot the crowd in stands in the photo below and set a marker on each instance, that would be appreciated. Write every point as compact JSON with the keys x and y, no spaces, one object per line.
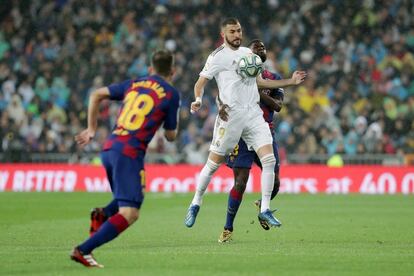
{"x":359,"y":55}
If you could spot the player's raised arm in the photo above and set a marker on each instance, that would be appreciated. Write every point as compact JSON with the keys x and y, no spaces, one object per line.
{"x":95,"y":98}
{"x":198,"y":93}
{"x":297,"y":78}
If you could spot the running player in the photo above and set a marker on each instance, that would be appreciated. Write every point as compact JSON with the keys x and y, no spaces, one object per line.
{"x":148,"y":102}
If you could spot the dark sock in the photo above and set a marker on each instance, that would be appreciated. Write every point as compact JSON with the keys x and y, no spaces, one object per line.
{"x":276,"y":187}
{"x":107,"y":232}
{"x":111,"y":209}
{"x":274,"y":193}
{"x":233,"y":204}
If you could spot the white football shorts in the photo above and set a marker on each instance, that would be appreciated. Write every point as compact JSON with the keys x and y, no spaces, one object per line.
{"x":244,"y":122}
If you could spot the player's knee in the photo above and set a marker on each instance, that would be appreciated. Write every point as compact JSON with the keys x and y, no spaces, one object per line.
{"x":210,"y":168}
{"x":241,"y":181}
{"x":130,"y":214}
{"x":268,"y":161}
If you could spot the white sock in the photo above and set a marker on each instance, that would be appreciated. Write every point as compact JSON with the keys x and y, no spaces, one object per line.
{"x":268,"y":176}
{"x":203,"y":180}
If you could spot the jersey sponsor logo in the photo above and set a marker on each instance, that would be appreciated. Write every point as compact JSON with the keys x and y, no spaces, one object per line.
{"x":40,"y":180}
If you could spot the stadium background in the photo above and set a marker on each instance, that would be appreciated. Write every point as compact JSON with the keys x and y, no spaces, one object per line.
{"x":356,"y":107}
{"x":355,"y":111}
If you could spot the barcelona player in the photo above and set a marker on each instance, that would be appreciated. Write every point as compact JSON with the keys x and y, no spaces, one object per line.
{"x":148,"y":102}
{"x":241,"y":159}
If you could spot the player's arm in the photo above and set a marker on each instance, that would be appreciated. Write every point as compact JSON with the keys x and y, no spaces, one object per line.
{"x":171,"y":120}
{"x":213,"y":66}
{"x":297,"y":78}
{"x":198,"y":93}
{"x":274,"y":103}
{"x":95,"y":99}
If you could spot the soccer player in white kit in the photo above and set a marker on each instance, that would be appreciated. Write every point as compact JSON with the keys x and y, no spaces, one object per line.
{"x":245,"y":118}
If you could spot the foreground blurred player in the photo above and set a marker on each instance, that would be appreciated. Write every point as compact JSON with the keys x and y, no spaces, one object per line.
{"x":245,"y":117}
{"x":241,"y":159}
{"x":147,"y":103}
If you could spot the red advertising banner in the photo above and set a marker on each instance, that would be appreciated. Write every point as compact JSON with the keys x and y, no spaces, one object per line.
{"x":182,"y":178}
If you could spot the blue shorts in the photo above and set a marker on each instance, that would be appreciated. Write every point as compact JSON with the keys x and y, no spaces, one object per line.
{"x":126,"y":177}
{"x":241,"y":157}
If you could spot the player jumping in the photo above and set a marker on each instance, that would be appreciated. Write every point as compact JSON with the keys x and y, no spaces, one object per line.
{"x":241,"y":159}
{"x":245,"y":118}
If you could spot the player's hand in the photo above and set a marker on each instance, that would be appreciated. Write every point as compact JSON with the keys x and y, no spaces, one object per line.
{"x":223,"y":112}
{"x":195,"y":106}
{"x":83,"y":138}
{"x":298,"y":77}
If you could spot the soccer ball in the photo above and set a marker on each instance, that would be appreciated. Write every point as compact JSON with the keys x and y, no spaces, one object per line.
{"x":249,"y":66}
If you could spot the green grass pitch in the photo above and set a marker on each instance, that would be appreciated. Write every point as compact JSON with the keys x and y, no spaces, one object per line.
{"x":321,"y":235}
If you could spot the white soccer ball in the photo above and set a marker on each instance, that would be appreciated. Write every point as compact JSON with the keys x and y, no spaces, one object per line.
{"x":249,"y":66}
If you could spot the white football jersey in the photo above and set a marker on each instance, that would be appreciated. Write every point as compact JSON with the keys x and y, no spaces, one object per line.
{"x":233,"y":89}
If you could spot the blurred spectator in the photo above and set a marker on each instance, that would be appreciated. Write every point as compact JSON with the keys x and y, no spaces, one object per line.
{"x":358,"y":98}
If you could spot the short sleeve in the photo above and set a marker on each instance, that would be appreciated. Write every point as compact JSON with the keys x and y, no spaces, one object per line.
{"x":171,"y":118}
{"x":212,"y":67}
{"x":117,"y":90}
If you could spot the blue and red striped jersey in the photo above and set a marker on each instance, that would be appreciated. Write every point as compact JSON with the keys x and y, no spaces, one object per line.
{"x":274,"y":93}
{"x":147,"y":103}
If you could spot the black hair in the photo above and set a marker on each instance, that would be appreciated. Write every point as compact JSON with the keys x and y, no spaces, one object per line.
{"x":253,"y":42}
{"x":229,"y":21}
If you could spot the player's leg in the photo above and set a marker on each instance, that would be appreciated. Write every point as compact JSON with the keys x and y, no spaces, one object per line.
{"x":276,"y":183}
{"x":241,"y":161}
{"x":259,"y":137}
{"x":265,"y":153}
{"x":226,"y":135}
{"x":267,"y":159}
{"x":241,"y":175}
{"x":114,"y":226}
{"x":99,"y":215}
{"x":127,"y":190}
{"x":213,"y":163}
{"x":275,"y":191}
